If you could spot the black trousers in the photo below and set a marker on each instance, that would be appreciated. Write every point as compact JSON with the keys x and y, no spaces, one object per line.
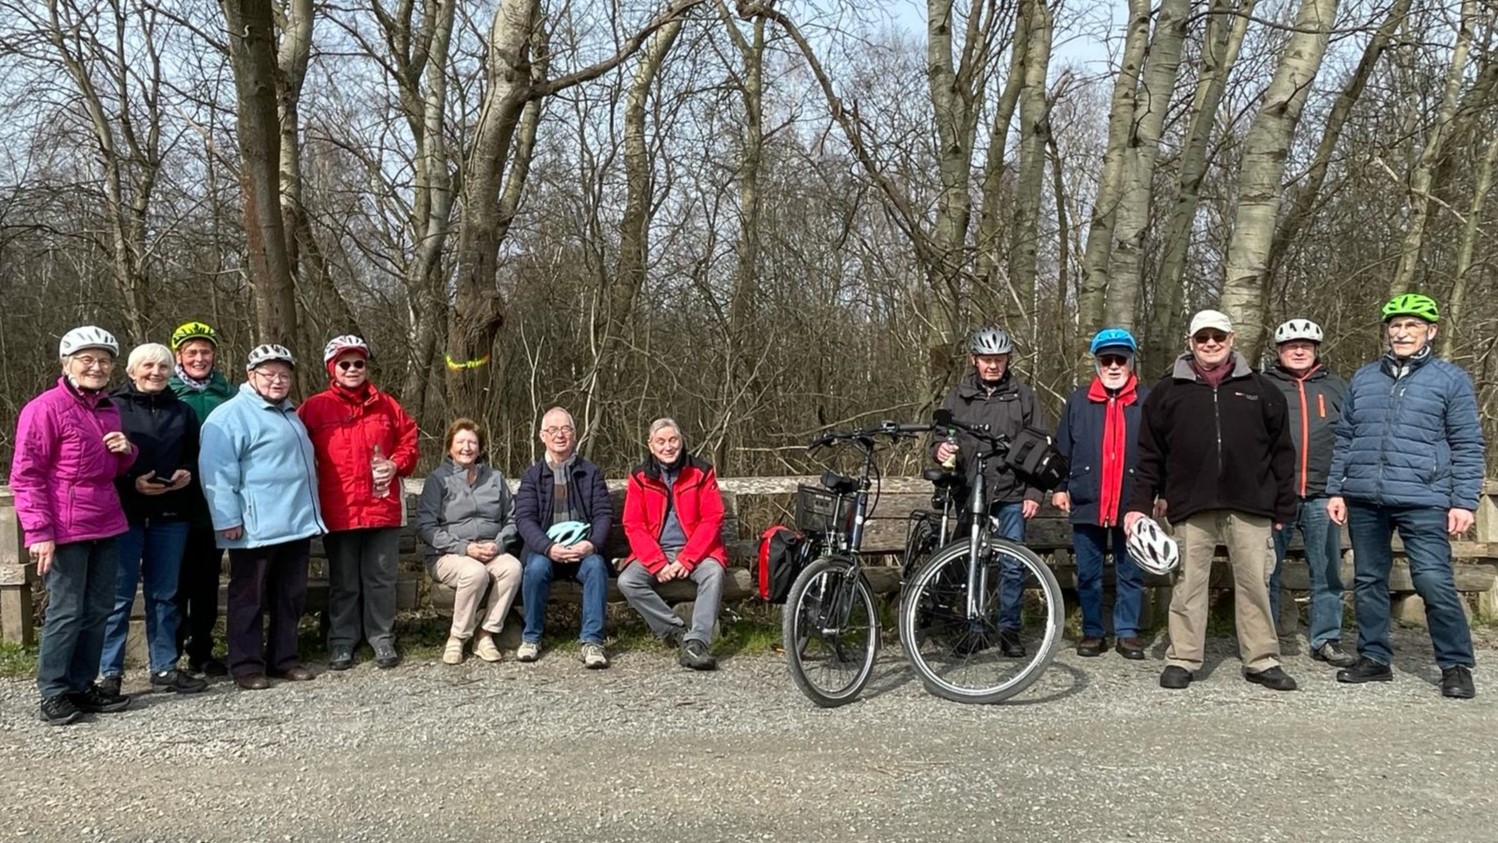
{"x":270,"y":580}
{"x":197,"y":594}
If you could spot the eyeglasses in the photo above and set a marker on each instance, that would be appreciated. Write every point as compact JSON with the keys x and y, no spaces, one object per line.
{"x":88,"y":362}
{"x":1408,"y":324}
{"x":345,"y":365}
{"x":553,"y":431}
{"x":274,"y":377}
{"x":1204,"y":337}
{"x":1109,"y":360}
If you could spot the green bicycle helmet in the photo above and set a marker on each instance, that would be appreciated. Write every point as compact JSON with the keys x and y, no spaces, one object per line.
{"x":1412,"y":304}
{"x":192,"y":331}
{"x":568,"y":533}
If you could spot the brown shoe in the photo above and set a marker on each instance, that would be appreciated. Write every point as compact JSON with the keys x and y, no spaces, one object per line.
{"x":293,"y":674}
{"x":252,"y":682}
{"x":1130,"y":648}
{"x":1091,"y":646}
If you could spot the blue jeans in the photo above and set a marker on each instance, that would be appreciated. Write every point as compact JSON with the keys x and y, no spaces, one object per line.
{"x":1010,"y":519}
{"x":1423,"y":530}
{"x":80,"y":592}
{"x":150,"y":554}
{"x":535,"y":588}
{"x":1323,"y":560}
{"x":1090,"y":542}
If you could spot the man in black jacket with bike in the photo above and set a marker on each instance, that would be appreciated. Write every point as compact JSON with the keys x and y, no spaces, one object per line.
{"x":1216,"y":444}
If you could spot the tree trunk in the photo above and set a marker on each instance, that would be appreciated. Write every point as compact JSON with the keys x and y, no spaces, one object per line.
{"x":1034,"y":119}
{"x":990,"y":243}
{"x":1456,"y":302}
{"x":1259,"y":177}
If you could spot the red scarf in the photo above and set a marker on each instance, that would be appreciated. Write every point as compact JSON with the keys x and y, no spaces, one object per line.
{"x":1115,"y":444}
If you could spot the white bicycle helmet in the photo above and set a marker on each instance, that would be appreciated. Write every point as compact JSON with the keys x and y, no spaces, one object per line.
{"x":340,"y":344}
{"x":1298,"y":329}
{"x":1152,"y":549}
{"x":269,"y":353}
{"x":567,"y":533}
{"x":87,"y":336}
{"x":991,"y":340}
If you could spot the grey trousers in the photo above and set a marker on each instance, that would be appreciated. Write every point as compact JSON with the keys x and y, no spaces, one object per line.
{"x":361,"y":585}
{"x":638,"y":586}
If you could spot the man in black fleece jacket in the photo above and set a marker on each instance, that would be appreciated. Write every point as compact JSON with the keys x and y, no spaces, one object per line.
{"x":1215,"y":444}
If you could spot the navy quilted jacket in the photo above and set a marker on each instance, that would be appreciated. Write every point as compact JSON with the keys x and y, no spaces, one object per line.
{"x":1409,"y":438}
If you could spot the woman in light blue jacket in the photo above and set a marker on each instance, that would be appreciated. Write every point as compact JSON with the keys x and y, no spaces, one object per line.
{"x":260,"y":481}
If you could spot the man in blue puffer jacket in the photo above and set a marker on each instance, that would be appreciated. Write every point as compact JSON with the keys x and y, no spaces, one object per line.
{"x":1408,"y":456}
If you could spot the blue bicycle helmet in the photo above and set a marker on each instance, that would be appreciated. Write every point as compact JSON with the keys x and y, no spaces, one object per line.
{"x":1113,"y":338}
{"x":568,"y":533}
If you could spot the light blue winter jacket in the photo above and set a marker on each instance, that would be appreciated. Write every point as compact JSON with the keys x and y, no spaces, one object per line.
{"x":1410,"y":437}
{"x":258,"y":472}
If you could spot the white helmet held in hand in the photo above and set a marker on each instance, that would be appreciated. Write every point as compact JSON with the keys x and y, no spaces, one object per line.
{"x":1152,"y":549}
{"x":1297,"y":329}
{"x":269,"y":353}
{"x":87,"y":336}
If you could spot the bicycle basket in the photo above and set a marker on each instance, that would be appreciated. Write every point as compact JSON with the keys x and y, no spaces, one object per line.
{"x":821,"y":511}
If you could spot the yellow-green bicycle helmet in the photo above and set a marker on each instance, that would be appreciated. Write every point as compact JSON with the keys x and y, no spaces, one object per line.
{"x":192,"y":331}
{"x":1412,"y":304}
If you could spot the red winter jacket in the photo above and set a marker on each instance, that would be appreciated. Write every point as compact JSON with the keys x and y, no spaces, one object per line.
{"x":345,"y":427}
{"x":698,"y":504}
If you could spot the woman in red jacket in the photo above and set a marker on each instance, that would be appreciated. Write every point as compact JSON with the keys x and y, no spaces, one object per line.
{"x":364,"y":443}
{"x":673,"y":518}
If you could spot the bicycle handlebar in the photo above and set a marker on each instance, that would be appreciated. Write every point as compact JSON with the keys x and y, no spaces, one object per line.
{"x":944,"y":419}
{"x":865,"y":438}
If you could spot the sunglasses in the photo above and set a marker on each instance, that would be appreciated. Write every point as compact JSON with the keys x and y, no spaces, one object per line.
{"x":1210,"y":336}
{"x":1109,"y":360}
{"x":345,"y":365}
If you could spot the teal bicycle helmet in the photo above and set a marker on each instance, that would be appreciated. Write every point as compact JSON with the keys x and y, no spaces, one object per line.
{"x":1113,"y":338}
{"x":568,"y":533}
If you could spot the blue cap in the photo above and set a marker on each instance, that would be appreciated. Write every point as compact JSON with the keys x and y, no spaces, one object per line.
{"x":1113,"y":338}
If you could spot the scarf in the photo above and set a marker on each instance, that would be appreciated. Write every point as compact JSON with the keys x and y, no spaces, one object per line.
{"x":191,"y":382}
{"x":1398,"y":367}
{"x":1115,"y":444}
{"x":561,"y":502}
{"x":1213,"y":377}
{"x":356,"y":396}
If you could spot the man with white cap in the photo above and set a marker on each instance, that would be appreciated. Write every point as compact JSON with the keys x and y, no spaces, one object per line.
{"x":1215,"y":445}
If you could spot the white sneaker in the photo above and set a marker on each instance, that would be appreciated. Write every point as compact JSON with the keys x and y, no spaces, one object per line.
{"x":453,"y":652}
{"x":529,"y":651}
{"x":593,"y":657}
{"x":486,"y":649}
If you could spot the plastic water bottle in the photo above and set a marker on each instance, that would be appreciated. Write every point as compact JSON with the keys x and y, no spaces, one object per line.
{"x":950,"y":463}
{"x":381,"y":490}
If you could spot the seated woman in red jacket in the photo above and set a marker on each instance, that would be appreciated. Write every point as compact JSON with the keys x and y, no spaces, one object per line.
{"x":673,"y":518}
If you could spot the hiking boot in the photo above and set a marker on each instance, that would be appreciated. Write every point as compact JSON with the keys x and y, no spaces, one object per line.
{"x":1175,"y":678}
{"x":385,"y":655}
{"x":177,"y":681}
{"x":1130,"y":648}
{"x":694,"y":655}
{"x":1272,"y":678}
{"x":58,"y":710}
{"x":208,"y":667}
{"x":1456,"y":683}
{"x":528,"y":651}
{"x":452,"y":651}
{"x":593,"y":657}
{"x":1010,"y":645}
{"x":110,"y":685}
{"x":342,"y":658}
{"x":1365,"y":670}
{"x":1332,"y":653}
{"x":486,"y":649}
{"x":1091,"y":646}
{"x":93,"y":700}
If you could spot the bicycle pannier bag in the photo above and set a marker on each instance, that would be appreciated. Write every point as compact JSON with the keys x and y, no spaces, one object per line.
{"x":781,"y":557}
{"x":1033,"y":456}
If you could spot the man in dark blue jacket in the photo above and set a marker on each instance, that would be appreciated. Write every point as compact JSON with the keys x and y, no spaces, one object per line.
{"x":563,"y":489}
{"x":1409,"y":456}
{"x":1098,"y":434}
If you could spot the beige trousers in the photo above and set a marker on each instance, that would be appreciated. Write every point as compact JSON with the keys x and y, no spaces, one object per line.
{"x":470,"y":577}
{"x":1250,"y":545}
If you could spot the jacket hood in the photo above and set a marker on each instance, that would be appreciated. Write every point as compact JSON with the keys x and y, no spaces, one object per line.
{"x":1318,"y":371}
{"x":651,"y":467}
{"x":1182,"y":370}
{"x":130,"y":392}
{"x":970,"y":386}
{"x":249,"y":392}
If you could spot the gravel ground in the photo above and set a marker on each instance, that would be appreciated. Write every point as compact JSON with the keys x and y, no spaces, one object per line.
{"x":647,"y":751}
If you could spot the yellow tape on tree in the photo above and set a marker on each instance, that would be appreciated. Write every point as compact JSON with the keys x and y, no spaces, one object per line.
{"x":458,"y":366}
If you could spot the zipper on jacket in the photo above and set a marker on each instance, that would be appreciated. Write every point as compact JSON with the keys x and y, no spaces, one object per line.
{"x":1217,"y":421}
{"x":1305,"y":435}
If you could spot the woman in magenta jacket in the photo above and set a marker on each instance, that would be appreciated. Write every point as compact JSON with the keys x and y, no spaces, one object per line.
{"x":673,"y":518}
{"x":69,"y":450}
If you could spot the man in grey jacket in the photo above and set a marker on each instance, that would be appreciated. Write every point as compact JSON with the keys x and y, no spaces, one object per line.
{"x":1409,"y":456}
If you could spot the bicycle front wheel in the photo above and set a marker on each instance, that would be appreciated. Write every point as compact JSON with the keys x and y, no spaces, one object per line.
{"x":993,"y":646}
{"x":831,"y":632}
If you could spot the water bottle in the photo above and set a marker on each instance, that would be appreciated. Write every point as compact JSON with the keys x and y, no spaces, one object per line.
{"x":376,"y":463}
{"x":950,"y":463}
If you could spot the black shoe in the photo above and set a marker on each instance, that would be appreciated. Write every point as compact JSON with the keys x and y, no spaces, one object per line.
{"x":58,"y":710}
{"x":1272,"y":678}
{"x":342,"y":659}
{"x":1175,"y":678}
{"x":110,"y":685}
{"x":93,"y":700}
{"x":694,"y":654}
{"x":1010,"y":645}
{"x":252,"y":682}
{"x":1089,"y":647}
{"x":208,"y":667}
{"x":1130,"y":648}
{"x":1332,"y":653}
{"x":177,"y":681}
{"x":1365,"y":670}
{"x":1456,"y":683}
{"x":386,"y":657}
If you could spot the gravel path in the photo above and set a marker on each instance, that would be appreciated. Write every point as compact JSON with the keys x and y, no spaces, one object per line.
{"x":647,"y":751}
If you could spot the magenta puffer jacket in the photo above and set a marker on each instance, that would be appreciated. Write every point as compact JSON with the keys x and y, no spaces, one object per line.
{"x":62,"y":475}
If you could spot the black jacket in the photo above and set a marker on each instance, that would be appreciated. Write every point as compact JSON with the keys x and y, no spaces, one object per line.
{"x":1315,"y":406}
{"x":1223,"y":448}
{"x":165,"y":429}
{"x":586,"y":491}
{"x":1010,"y":408}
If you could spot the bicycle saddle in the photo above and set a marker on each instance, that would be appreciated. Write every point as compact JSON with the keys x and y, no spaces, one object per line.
{"x":941,"y":478}
{"x":838,"y":484}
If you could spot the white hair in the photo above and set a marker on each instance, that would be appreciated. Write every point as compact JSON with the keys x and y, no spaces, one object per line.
{"x":151,"y":351}
{"x":661,"y":424}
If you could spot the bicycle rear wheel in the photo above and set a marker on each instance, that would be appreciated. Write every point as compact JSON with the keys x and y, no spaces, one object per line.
{"x":997,"y":653}
{"x":831,"y":632}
